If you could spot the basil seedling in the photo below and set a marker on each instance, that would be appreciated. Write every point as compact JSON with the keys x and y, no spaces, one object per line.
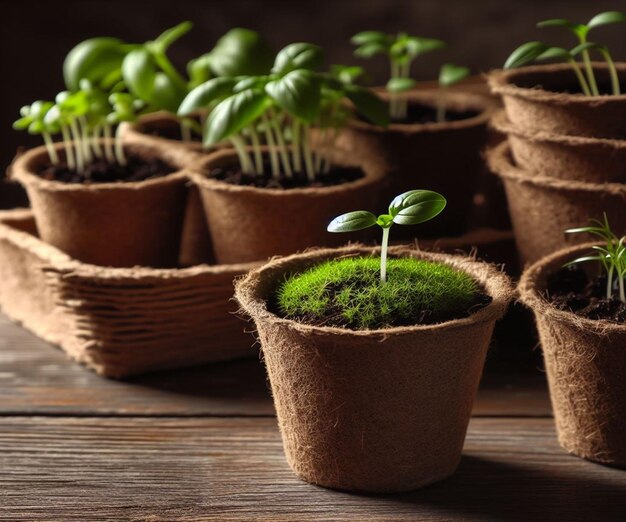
{"x":611,"y":254}
{"x":449,"y":75}
{"x":401,"y":49}
{"x":539,"y":51}
{"x":410,"y":208}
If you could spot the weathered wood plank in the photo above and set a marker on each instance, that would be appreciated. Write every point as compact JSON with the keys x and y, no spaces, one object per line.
{"x":36,"y":378}
{"x":234,"y":469}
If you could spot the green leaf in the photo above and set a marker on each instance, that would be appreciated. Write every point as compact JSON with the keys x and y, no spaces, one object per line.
{"x":169,"y":36}
{"x":298,"y":92}
{"x":416,"y":206}
{"x":587,"y":46}
{"x":241,"y":52}
{"x":400,"y":84}
{"x":22,"y":123}
{"x":371,"y":49}
{"x":609,"y":17}
{"x":417,"y":46}
{"x":166,"y":95}
{"x":139,"y":71}
{"x":556,"y":22}
{"x":525,"y":54}
{"x":199,"y":70}
{"x":346,"y":74}
{"x":451,"y":74}
{"x":555,"y":53}
{"x":233,"y":114}
{"x":93,"y":59}
{"x":368,"y":104}
{"x":370,"y":37}
{"x":352,"y":221}
{"x":206,"y":94}
{"x":583,"y":259}
{"x":298,"y":56}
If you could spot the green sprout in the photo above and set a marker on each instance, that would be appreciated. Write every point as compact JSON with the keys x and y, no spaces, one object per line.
{"x":279,"y":109}
{"x":401,"y":49}
{"x":449,"y":75}
{"x":539,"y":51}
{"x":611,"y":254}
{"x":409,"y":208}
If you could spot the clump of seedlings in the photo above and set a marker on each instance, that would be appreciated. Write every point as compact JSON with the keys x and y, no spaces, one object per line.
{"x":356,"y":293}
{"x":402,"y":49}
{"x":539,"y":51}
{"x":279,"y":110}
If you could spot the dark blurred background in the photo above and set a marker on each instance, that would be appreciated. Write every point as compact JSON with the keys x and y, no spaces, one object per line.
{"x":480,"y":33}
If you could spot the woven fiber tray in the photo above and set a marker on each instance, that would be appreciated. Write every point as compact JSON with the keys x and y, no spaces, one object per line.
{"x":118,"y":321}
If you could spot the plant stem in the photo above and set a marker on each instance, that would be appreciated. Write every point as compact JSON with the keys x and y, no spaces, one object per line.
{"x":78,"y":146}
{"x":612,"y":71}
{"x":86,"y":140}
{"x":609,"y":282}
{"x":108,"y":150}
{"x":581,"y":77}
{"x":308,"y":157}
{"x":296,"y":154}
{"x":622,"y":295}
{"x":256,"y":147}
{"x":95,"y":141}
{"x":269,"y":138}
{"x":171,"y":72}
{"x":244,"y":158}
{"x":383,"y":254}
{"x":120,"y":157}
{"x":69,"y":151}
{"x":282,"y":147}
{"x":588,"y":67}
{"x":54,"y":157}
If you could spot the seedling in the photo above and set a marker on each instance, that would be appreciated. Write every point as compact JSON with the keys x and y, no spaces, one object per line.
{"x":611,"y":254}
{"x":539,"y":51}
{"x":279,"y":109}
{"x":402,"y":49}
{"x":410,"y":208}
{"x":449,"y":75}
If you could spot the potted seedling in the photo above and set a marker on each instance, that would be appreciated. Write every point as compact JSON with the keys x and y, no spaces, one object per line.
{"x":434,"y":135}
{"x":569,"y":98}
{"x":274,"y":190}
{"x":93,"y":197}
{"x":374,"y":364}
{"x":578,"y":298}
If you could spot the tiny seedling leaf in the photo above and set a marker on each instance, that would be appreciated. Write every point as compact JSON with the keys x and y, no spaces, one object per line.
{"x":416,"y":206}
{"x":298,"y":55}
{"x":298,"y":92}
{"x":609,"y":17}
{"x":241,"y":52}
{"x":400,"y":84}
{"x":555,"y":53}
{"x":524,"y":54}
{"x":368,"y":104}
{"x":139,"y":72}
{"x":93,"y":59}
{"x":451,"y":74}
{"x":206,"y":94}
{"x":352,"y":221}
{"x":371,"y":49}
{"x":370,"y":37}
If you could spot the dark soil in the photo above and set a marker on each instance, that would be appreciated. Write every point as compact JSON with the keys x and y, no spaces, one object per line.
{"x":100,"y":171}
{"x":170,"y":133}
{"x":571,"y":289}
{"x":336,"y":176}
{"x":420,"y":114}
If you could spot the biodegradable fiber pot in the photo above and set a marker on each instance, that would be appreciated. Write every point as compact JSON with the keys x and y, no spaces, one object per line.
{"x":597,"y":160}
{"x":543,"y":208}
{"x":250,"y":224}
{"x":119,"y":224}
{"x":586,"y":362}
{"x":378,"y":410}
{"x":445,"y":157}
{"x":538,"y":98}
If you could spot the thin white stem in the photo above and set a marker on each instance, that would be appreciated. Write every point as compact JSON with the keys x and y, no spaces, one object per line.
{"x":69,"y":151}
{"x":54,"y":157}
{"x":383,"y":254}
{"x":86,"y":140}
{"x":282,"y":147}
{"x":271,"y":144}
{"x":244,"y":158}
{"x":108,"y":147}
{"x":622,"y":295}
{"x":296,"y":153}
{"x":256,"y":147}
{"x":78,"y":147}
{"x":308,"y":157}
{"x":95,"y":141}
{"x":120,"y":157}
{"x":581,"y":77}
{"x":609,"y":283}
{"x":593,"y":86}
{"x":613,"y":72}
{"x":318,"y":157}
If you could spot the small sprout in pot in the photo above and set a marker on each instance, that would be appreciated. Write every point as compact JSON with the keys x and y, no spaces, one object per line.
{"x":410,"y":208}
{"x":539,"y":51}
{"x":401,"y":49}
{"x":449,"y":75}
{"x":611,"y":254}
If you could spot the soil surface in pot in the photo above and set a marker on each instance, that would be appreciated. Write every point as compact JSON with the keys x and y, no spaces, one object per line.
{"x":336,"y":176}
{"x":101,"y":171}
{"x":170,"y":133}
{"x":571,"y":289}
{"x":420,"y":114}
{"x":348,"y":293}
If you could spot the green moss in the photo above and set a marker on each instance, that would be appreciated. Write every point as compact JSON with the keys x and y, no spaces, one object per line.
{"x":348,"y":293}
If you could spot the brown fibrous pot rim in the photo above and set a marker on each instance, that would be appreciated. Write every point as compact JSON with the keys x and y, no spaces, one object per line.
{"x":25,"y":165}
{"x":533,"y":282}
{"x":500,"y":160}
{"x":493,"y":280}
{"x":199,"y":175}
{"x":501,"y":81}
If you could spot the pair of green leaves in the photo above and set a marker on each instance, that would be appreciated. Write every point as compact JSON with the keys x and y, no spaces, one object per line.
{"x":581,"y":30}
{"x":410,"y":208}
{"x":400,"y":48}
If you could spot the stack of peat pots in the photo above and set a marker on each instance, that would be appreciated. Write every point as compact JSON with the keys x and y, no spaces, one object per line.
{"x":565,"y":163}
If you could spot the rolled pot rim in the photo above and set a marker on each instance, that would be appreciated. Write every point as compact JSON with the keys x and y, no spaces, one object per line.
{"x":199,"y":175}
{"x":501,"y":123}
{"x":501,"y":81}
{"x":533,"y":282}
{"x":494,"y":281}
{"x":23,"y":169}
{"x":500,"y":159}
{"x":485,"y":107}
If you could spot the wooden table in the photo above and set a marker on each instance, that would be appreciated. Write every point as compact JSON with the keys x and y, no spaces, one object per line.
{"x":203,"y":444}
